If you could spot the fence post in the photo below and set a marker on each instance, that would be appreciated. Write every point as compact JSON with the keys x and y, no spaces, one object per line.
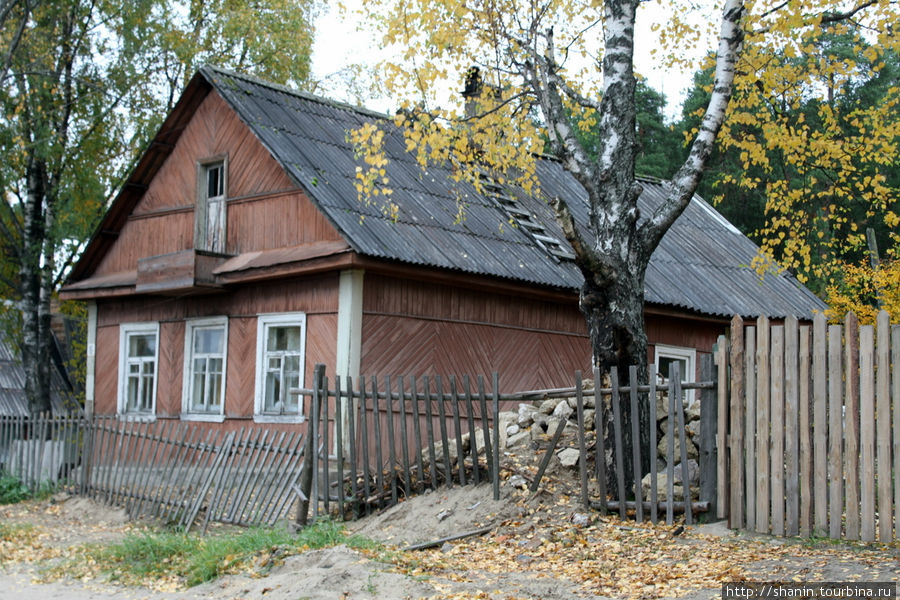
{"x":708,"y":419}
{"x":307,"y":471}
{"x":736,"y":432}
{"x":496,"y":469}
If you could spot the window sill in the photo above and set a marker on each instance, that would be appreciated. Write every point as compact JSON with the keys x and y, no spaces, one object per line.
{"x":258,"y":418}
{"x":137,"y":417}
{"x":203,"y":417}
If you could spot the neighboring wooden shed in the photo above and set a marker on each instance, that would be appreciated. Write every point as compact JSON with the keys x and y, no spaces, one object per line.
{"x":237,"y":255}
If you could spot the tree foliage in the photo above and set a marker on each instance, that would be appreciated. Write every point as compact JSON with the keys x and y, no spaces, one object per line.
{"x":84,"y":85}
{"x":811,"y":143}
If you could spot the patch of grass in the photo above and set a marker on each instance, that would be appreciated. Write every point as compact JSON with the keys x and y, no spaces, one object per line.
{"x":189,"y":559}
{"x":11,"y":532}
{"x":12,"y":491}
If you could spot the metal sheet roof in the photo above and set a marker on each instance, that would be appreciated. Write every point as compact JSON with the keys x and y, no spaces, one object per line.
{"x":702,"y":263}
{"x":13,"y":402}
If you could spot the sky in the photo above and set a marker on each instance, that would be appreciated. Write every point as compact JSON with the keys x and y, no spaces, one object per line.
{"x":339,"y":42}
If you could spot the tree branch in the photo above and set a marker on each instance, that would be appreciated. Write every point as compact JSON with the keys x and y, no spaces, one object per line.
{"x":687,"y":178}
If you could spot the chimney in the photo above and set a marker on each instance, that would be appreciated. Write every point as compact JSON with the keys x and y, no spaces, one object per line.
{"x":472,"y":91}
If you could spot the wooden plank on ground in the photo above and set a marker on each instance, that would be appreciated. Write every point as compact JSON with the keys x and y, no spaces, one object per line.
{"x":820,"y":424}
{"x":851,"y":424}
{"x":835,"y":432}
{"x":867,"y":432}
{"x":776,"y":412}
{"x":762,"y":425}
{"x":883,"y":426}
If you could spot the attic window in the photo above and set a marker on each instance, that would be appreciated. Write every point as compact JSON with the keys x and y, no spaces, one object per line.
{"x":211,"y":209}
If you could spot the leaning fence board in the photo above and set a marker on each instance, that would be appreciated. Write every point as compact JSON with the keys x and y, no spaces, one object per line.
{"x":495,"y":472}
{"x":851,"y":425}
{"x":442,"y":421}
{"x":404,"y":441}
{"x":392,"y":452}
{"x":473,"y":444}
{"x":883,"y":425}
{"x":867,"y":433}
{"x":670,"y":455}
{"x":417,"y":435}
{"x":835,"y":432}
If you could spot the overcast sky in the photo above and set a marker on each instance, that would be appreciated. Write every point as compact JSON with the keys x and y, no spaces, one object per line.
{"x":340,"y":43}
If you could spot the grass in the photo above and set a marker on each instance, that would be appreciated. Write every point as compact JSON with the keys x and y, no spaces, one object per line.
{"x":13,"y":491}
{"x":189,"y":560}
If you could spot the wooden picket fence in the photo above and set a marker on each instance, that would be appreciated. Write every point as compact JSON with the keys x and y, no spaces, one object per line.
{"x":384,"y":440}
{"x":181,"y":473}
{"x":610,"y":448}
{"x":811,"y":421}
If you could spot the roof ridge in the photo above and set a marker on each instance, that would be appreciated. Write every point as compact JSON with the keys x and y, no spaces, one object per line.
{"x":213,"y":69}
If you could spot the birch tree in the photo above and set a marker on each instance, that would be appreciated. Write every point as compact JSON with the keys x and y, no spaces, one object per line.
{"x":83,"y":86}
{"x":530,"y":53}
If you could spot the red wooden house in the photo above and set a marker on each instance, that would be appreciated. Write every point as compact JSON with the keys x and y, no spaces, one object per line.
{"x":237,"y":255}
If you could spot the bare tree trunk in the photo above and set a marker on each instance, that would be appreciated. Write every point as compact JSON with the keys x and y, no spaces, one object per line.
{"x":35,"y":298}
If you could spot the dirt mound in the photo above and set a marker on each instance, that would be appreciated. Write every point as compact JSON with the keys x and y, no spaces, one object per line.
{"x":337,"y":572}
{"x":91,"y":512}
{"x":436,"y":514}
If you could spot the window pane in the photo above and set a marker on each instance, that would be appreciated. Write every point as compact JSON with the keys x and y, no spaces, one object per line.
{"x":141,"y":344}
{"x":197,"y":392}
{"x":215,"y":391}
{"x":273,"y":392}
{"x":214,"y":181}
{"x":208,"y":340}
{"x":284,"y":338}
{"x":131,"y":398}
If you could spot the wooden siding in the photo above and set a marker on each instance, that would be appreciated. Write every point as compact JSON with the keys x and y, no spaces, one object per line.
{"x":526,"y":360}
{"x":265,"y":209}
{"x":315,"y":296}
{"x":407,"y":298}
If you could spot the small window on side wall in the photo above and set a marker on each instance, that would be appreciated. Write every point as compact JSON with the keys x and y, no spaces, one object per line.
{"x":205,"y":348}
{"x":280,"y":359}
{"x":686,"y":358}
{"x":138,"y":358}
{"x":210,"y":223}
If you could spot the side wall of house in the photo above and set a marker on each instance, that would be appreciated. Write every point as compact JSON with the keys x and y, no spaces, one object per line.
{"x":316,"y":297}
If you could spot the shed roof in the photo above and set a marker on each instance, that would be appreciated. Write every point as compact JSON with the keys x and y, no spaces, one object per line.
{"x":13,"y":402}
{"x":702,"y":263}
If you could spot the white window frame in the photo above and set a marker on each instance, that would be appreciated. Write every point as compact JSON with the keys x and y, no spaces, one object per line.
{"x":187,"y":411}
{"x":263,"y":322}
{"x":678,"y":353}
{"x":126,"y":330}
{"x":203,"y":224}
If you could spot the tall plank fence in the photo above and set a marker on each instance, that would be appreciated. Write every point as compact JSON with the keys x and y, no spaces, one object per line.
{"x":813,"y":428}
